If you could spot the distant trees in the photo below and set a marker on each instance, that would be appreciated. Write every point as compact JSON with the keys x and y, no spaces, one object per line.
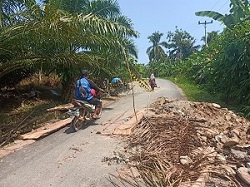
{"x":211,"y":36}
{"x":165,"y":55}
{"x":179,"y":45}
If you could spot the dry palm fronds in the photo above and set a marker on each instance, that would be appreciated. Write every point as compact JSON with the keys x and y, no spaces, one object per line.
{"x":160,"y":142}
{"x":176,"y":145}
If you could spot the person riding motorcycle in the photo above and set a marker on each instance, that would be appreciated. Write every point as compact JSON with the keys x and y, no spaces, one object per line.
{"x":88,"y":85}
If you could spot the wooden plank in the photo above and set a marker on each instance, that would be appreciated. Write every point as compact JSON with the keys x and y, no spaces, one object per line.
{"x":61,"y":107}
{"x":45,"y":130}
{"x":105,"y":102}
{"x":111,"y":124}
{"x":127,"y":127}
{"x":18,"y":144}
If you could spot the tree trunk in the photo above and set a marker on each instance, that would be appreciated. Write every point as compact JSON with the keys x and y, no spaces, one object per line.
{"x":40,"y":76}
{"x":68,"y":88}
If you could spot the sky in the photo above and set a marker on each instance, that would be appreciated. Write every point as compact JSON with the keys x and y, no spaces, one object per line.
{"x":149,"y":16}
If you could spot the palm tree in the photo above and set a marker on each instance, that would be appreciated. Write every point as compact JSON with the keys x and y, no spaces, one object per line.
{"x":156,"y":52}
{"x":106,"y":9}
{"x":239,"y":12}
{"x":180,"y":44}
{"x":211,"y":36}
{"x":59,"y":41}
{"x":101,"y":8}
{"x":9,"y":9}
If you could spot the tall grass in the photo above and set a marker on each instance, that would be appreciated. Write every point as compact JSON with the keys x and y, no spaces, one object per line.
{"x":194,"y":92}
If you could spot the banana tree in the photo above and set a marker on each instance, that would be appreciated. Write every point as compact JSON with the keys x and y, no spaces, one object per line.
{"x":239,"y":12}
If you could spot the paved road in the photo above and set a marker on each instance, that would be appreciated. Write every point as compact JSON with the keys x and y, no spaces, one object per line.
{"x":76,"y":159}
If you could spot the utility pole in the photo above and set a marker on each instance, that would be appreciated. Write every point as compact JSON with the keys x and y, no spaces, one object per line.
{"x":205,"y":25}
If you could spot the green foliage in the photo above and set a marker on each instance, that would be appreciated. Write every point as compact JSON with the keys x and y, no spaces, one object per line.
{"x":239,"y":12}
{"x":198,"y":66}
{"x":195,"y":92}
{"x":180,"y":44}
{"x":141,"y":70}
{"x":60,"y":38}
{"x":223,"y":67}
{"x":156,"y":52}
{"x":232,"y":65}
{"x":211,"y":36}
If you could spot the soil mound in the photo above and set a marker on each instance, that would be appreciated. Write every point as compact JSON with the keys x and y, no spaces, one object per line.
{"x":184,"y":143}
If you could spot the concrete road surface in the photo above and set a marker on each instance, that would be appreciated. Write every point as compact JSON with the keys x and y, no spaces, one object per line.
{"x":66,"y":159}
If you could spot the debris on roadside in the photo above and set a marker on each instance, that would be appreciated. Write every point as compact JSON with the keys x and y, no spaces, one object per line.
{"x":184,"y":143}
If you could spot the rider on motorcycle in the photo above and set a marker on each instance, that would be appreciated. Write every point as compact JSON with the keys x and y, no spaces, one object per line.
{"x":88,"y":84}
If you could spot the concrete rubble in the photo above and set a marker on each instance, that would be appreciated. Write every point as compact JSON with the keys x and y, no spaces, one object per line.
{"x":194,"y":144}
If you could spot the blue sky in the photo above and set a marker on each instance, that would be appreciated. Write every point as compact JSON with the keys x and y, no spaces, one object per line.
{"x":149,"y":16}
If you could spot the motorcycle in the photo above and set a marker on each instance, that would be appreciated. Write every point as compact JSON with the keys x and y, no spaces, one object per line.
{"x":81,"y":113}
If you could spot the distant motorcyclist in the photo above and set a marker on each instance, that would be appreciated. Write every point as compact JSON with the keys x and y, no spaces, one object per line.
{"x":116,"y":80}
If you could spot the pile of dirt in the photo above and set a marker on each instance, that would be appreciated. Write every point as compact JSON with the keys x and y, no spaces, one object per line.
{"x":183,"y":143}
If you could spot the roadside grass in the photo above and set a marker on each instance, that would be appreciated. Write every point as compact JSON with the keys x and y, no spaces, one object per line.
{"x":195,"y":92}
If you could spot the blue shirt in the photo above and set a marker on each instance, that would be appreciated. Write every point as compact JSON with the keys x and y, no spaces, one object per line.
{"x":116,"y":80}
{"x":85,"y":84}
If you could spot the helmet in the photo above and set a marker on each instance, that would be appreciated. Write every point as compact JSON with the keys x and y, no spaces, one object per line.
{"x":85,"y":72}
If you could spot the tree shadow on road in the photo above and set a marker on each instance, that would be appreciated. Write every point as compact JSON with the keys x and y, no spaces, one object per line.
{"x":84,"y":126}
